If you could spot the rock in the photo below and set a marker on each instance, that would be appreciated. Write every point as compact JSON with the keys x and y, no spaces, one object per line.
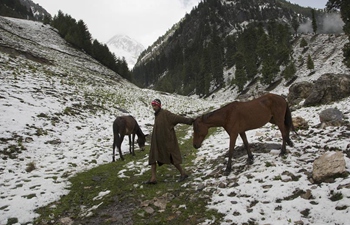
{"x":28,"y":139}
{"x":329,"y":88}
{"x":307,"y":195}
{"x":329,"y":165}
{"x":298,"y":92}
{"x":222,"y":185}
{"x":66,"y":221}
{"x":331,"y":114}
{"x":161,"y":203}
{"x":149,"y":210}
{"x":200,"y":187}
{"x":300,"y":123}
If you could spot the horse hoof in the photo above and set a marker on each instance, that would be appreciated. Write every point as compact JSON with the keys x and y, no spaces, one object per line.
{"x":227,"y":172}
{"x":250,"y":161}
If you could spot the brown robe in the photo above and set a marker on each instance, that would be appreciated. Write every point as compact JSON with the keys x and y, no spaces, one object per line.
{"x":164,"y":146}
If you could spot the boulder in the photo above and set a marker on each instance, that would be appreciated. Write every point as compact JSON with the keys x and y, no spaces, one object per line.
{"x":326,"y":89}
{"x":329,"y":88}
{"x":300,"y":123}
{"x":298,"y":92}
{"x":328,"y":166}
{"x":330,"y":115}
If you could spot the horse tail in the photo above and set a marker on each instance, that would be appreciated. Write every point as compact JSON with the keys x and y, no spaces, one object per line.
{"x":288,"y":121}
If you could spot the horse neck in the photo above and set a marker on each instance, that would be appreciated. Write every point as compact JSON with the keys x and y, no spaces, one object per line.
{"x":139,"y":132}
{"x":216,"y":118}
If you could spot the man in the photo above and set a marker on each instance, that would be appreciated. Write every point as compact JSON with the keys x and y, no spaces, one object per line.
{"x":164,"y":146}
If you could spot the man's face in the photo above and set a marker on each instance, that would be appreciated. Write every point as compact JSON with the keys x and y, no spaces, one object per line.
{"x":155,"y":107}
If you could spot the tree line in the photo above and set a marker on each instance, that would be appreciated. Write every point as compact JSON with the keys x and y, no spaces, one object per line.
{"x":78,"y":35}
{"x":195,"y":62}
{"x":14,"y":8}
{"x":198,"y":68}
{"x":200,"y":50}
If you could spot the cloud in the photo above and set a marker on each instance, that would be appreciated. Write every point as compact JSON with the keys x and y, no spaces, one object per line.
{"x":141,"y":20}
{"x":329,"y":23}
{"x":332,"y":23}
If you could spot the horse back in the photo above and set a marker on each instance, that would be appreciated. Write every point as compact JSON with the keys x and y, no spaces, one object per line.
{"x":125,"y":125}
{"x":257,"y":112}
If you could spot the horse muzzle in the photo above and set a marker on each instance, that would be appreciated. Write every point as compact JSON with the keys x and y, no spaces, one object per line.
{"x":196,"y":146}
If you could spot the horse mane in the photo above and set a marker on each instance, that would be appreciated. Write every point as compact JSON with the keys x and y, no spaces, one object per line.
{"x":139,"y":131}
{"x":209,"y":114}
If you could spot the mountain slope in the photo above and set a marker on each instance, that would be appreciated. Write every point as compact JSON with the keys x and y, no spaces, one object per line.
{"x":57,"y":109}
{"x":39,"y":12}
{"x":125,"y":47}
{"x":219,"y":36}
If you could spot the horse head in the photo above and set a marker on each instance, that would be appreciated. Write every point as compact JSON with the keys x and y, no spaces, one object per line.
{"x":141,"y":140}
{"x":200,"y":132}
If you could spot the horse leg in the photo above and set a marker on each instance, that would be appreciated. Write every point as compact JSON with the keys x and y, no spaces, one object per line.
{"x":129,"y":135}
{"x":133,"y":144}
{"x":289,"y":142}
{"x":288,"y":124}
{"x":285,"y":137}
{"x":246,"y":145}
{"x":119,"y":145}
{"x":233,"y":138}
{"x":115,"y":138}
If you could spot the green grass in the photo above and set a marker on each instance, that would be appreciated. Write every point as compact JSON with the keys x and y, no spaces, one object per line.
{"x":186,"y":205}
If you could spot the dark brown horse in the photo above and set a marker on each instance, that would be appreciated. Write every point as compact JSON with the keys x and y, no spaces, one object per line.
{"x":127,"y":125}
{"x":238,"y":117}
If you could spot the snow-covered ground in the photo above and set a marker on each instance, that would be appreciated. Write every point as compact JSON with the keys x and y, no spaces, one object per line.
{"x":56,"y":120}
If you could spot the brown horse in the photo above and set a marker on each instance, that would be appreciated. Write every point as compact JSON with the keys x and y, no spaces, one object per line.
{"x":238,"y":117}
{"x":127,"y":125}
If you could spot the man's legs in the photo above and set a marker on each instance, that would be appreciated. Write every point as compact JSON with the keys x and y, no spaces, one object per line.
{"x":182,"y":172}
{"x":153,"y":172}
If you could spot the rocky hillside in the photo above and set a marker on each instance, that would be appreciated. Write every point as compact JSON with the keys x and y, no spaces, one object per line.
{"x":231,"y":37}
{"x":57,"y":109}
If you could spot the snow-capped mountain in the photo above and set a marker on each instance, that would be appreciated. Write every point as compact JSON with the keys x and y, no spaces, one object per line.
{"x":38,"y":11}
{"x":124,"y":46}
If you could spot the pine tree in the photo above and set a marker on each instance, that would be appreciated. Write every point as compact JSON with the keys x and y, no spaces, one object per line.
{"x":231,"y":48}
{"x":303,"y":43}
{"x":289,"y":71}
{"x":240,"y":74}
{"x":269,"y":70}
{"x":314,"y":23}
{"x":295,"y":24}
{"x":310,"y":63}
{"x":216,"y":51}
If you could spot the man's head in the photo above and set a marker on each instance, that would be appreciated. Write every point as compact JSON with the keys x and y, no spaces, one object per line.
{"x":156,"y":104}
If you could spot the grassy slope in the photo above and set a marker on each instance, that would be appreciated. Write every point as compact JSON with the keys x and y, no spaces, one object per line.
{"x":185,"y":205}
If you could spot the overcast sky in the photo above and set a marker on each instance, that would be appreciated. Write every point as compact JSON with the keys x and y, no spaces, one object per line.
{"x":142,"y":20}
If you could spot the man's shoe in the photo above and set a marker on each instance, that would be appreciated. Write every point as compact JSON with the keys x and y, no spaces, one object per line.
{"x":150,"y":182}
{"x":182,"y":178}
